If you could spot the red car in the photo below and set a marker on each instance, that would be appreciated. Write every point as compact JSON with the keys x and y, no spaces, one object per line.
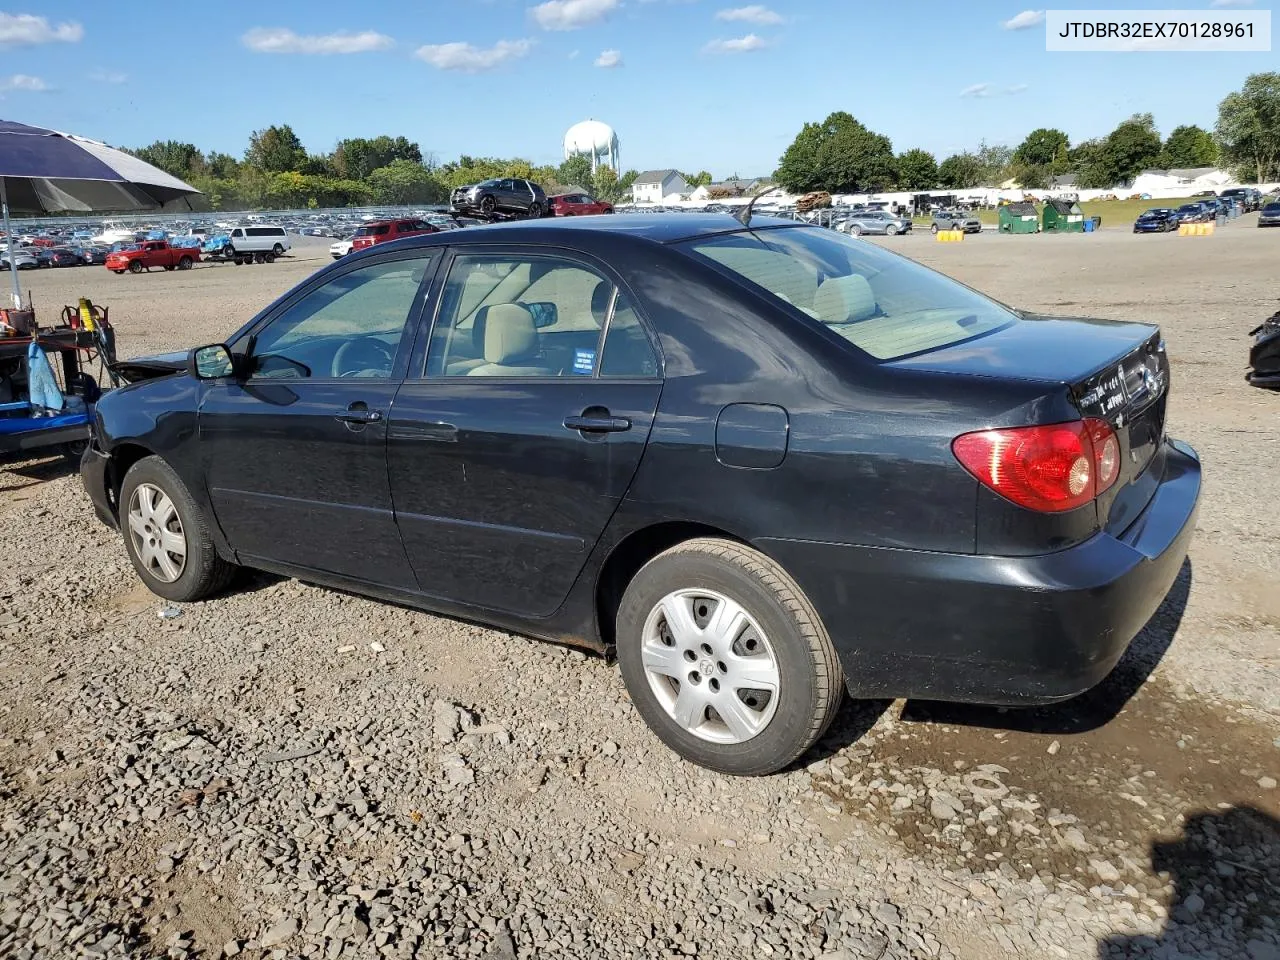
{"x":577,"y":205}
{"x":152,"y":253}
{"x":384,"y":231}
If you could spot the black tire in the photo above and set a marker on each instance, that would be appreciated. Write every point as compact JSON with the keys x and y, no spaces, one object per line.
{"x":934,"y":228}
{"x":535,"y":210}
{"x":278,"y":250}
{"x":270,"y":257}
{"x":204,"y":572}
{"x":258,"y":258}
{"x":184,"y":263}
{"x":488,"y":205}
{"x":855,"y":230}
{"x":74,"y":450}
{"x":890,"y":230}
{"x":135,"y":266}
{"x":811,"y":681}
{"x":229,"y":252}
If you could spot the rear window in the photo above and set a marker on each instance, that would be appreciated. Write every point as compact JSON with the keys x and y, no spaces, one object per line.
{"x":375,"y":230}
{"x":886,"y":305}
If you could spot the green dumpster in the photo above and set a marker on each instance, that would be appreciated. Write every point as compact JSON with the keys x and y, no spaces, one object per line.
{"x":1063,"y":216}
{"x":1019,"y":217}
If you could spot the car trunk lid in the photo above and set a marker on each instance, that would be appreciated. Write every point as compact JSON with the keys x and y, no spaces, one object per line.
{"x":1118,"y":372}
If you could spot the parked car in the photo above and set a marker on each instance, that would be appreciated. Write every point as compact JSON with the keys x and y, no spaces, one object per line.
{"x":577,"y":205}
{"x":43,"y":254}
{"x":955,"y":220}
{"x":384,"y":231}
{"x":1248,"y":198}
{"x":874,"y":222}
{"x":152,"y":253}
{"x":94,"y":254}
{"x":21,"y":258}
{"x":504,"y":195}
{"x":1269,"y":215}
{"x":340,"y":248}
{"x":65,"y":257}
{"x":796,"y":466}
{"x":257,"y":239}
{"x":1156,"y":220}
{"x":1198,"y":212}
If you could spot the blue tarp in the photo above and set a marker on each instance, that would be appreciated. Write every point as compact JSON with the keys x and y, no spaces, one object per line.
{"x":41,"y":386}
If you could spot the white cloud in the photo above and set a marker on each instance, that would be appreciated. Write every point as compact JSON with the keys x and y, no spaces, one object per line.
{"x":737,"y":45}
{"x":571,"y":14}
{"x":109,"y":76}
{"x":24,"y":83}
{"x":756,"y":13}
{"x":1231,"y":3}
{"x":283,"y":40}
{"x":609,"y":58}
{"x":467,"y":58}
{"x":992,"y":90}
{"x":1025,"y":20}
{"x":23,"y":29}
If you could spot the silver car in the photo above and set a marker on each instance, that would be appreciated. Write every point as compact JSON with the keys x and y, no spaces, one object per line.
{"x":22,"y":258}
{"x":874,"y":222}
{"x":955,"y":220}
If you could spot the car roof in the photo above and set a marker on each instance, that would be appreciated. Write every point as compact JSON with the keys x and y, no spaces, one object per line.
{"x":656,"y":228}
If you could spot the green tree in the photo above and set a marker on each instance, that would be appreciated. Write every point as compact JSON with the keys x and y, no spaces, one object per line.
{"x":357,"y":157}
{"x":575,"y":172}
{"x":275,"y":149}
{"x":840,"y":155}
{"x":917,"y":170}
{"x":221,"y":165}
{"x":1130,"y":148}
{"x":1041,"y":147}
{"x":995,"y":163}
{"x":1091,"y":172}
{"x":1189,"y":146}
{"x":700,"y":179}
{"x":404,"y":181}
{"x":171,"y":156}
{"x":960,"y":171}
{"x":1248,"y":127}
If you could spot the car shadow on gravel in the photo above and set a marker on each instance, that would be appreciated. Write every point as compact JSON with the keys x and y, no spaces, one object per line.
{"x":1090,"y":710}
{"x":1225,"y":870}
{"x":20,"y":474}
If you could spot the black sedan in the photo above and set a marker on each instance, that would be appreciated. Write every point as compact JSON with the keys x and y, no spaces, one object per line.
{"x":1196,"y":213}
{"x":1156,"y":220}
{"x":765,"y":466}
{"x":65,"y":257}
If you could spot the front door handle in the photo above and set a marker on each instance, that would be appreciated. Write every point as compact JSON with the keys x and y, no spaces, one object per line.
{"x":359,"y":417}
{"x":597,"y":424}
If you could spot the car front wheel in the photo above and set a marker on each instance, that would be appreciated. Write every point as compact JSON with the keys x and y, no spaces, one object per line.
{"x":726,"y":659}
{"x":166,"y":535}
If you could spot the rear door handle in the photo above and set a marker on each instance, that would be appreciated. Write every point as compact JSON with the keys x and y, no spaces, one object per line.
{"x":358,"y":416}
{"x":598,"y":424}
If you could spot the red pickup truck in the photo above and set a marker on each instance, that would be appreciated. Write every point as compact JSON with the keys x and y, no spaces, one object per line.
{"x":152,"y":253}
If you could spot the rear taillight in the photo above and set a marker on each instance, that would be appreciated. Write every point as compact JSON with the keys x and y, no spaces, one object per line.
{"x":1049,"y":468}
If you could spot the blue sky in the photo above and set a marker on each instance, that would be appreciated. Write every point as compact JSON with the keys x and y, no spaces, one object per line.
{"x":717,"y":84}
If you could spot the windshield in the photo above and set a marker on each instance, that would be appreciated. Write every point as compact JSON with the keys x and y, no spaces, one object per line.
{"x":882,"y":303}
{"x":1271,"y":208}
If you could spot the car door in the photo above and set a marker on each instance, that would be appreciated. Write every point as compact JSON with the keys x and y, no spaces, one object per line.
{"x":519,"y":431}
{"x":294,"y":449}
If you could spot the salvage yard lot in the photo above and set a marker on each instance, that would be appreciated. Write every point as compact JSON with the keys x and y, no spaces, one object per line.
{"x":321,"y":775}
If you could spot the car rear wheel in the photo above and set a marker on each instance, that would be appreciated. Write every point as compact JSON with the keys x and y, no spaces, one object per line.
{"x":278,"y":250}
{"x":535,"y":210}
{"x":726,"y":659}
{"x":184,"y":263}
{"x":167,"y":537}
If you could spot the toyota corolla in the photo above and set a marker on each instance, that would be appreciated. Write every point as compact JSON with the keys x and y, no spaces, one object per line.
{"x":767,"y":465}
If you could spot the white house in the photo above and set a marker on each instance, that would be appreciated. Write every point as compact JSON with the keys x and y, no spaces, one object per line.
{"x":658,"y":186}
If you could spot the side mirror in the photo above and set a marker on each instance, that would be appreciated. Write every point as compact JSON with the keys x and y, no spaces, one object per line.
{"x":545,"y":313}
{"x":210,"y":363}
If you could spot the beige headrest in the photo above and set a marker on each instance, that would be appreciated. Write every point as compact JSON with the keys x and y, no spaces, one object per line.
{"x":509,"y":334}
{"x":844,"y":299}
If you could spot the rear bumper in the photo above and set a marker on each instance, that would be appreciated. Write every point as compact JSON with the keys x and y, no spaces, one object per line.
{"x":1004,"y":630}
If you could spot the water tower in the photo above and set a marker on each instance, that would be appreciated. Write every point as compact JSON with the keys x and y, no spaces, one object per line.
{"x":593,"y":139}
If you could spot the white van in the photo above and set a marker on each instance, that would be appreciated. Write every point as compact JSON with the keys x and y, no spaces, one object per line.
{"x":259,"y":240}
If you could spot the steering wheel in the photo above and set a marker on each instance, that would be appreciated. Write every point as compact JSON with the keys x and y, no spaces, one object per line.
{"x":362,"y":356}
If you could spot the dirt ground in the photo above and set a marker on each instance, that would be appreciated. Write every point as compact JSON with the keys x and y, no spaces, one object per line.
{"x":1188,"y":727}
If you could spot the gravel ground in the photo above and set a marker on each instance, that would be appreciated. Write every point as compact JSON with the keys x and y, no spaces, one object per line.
{"x":288,"y":771}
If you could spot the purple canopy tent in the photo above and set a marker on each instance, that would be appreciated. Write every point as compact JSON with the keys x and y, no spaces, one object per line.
{"x":44,"y":171}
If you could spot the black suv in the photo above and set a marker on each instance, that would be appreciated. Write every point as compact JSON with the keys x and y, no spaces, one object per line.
{"x":506,"y":195}
{"x":1248,"y":198}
